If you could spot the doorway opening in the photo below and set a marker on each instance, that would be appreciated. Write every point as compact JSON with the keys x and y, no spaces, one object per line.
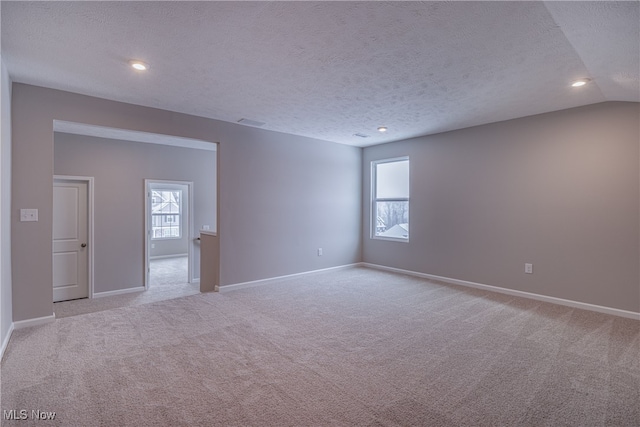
{"x":169,"y":235}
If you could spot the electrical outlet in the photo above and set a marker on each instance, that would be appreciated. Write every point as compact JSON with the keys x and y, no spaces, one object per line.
{"x":528,"y":268}
{"x":28,"y":215}
{"x":319,"y":251}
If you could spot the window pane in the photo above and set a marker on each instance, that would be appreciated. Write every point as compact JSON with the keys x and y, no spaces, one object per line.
{"x":392,"y":180}
{"x":166,"y":211}
{"x":392,"y":219}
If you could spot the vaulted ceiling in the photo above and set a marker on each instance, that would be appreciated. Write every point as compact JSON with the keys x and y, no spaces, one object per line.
{"x":330,"y":70}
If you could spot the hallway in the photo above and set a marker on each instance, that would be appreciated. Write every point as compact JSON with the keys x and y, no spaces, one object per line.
{"x":168,"y":280}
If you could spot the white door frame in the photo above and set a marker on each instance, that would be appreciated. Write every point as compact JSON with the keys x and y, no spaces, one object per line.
{"x":90,"y":212}
{"x":147,"y":226}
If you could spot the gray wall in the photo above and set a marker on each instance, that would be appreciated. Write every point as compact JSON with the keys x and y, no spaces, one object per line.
{"x":6,"y":315}
{"x":119,"y":169}
{"x":559,"y":190}
{"x":280,"y":196}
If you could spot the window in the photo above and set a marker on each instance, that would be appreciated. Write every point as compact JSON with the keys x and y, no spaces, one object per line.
{"x":166,"y":213}
{"x":390,"y":199}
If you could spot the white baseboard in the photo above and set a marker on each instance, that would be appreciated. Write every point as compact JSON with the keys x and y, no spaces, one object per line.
{"x":169,"y":256}
{"x":236,"y":286}
{"x":21,"y":324}
{"x":5,"y":342}
{"x":545,"y":298}
{"x":118,"y":292}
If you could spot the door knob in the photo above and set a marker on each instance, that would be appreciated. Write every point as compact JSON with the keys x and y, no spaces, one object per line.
{"x":84,"y":245}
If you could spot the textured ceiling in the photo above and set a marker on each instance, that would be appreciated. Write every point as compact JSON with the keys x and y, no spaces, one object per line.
{"x":329,"y":70}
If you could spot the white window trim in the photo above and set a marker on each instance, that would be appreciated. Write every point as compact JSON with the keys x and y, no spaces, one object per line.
{"x":373,"y":217}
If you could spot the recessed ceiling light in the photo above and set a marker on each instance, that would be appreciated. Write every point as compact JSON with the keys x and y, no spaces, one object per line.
{"x":139,"y":65}
{"x":382,"y":129}
{"x":580,"y":82}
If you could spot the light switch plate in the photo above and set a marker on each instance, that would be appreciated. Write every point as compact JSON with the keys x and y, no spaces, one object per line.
{"x":28,"y":215}
{"x":528,"y":268}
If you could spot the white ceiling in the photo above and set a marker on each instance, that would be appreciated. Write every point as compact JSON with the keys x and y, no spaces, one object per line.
{"x":329,"y":70}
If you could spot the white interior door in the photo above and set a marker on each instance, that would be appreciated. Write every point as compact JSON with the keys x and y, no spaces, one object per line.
{"x":70,"y":234}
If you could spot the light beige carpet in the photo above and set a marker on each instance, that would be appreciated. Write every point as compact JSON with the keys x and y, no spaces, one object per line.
{"x":167,"y":280}
{"x":353,"y":347}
